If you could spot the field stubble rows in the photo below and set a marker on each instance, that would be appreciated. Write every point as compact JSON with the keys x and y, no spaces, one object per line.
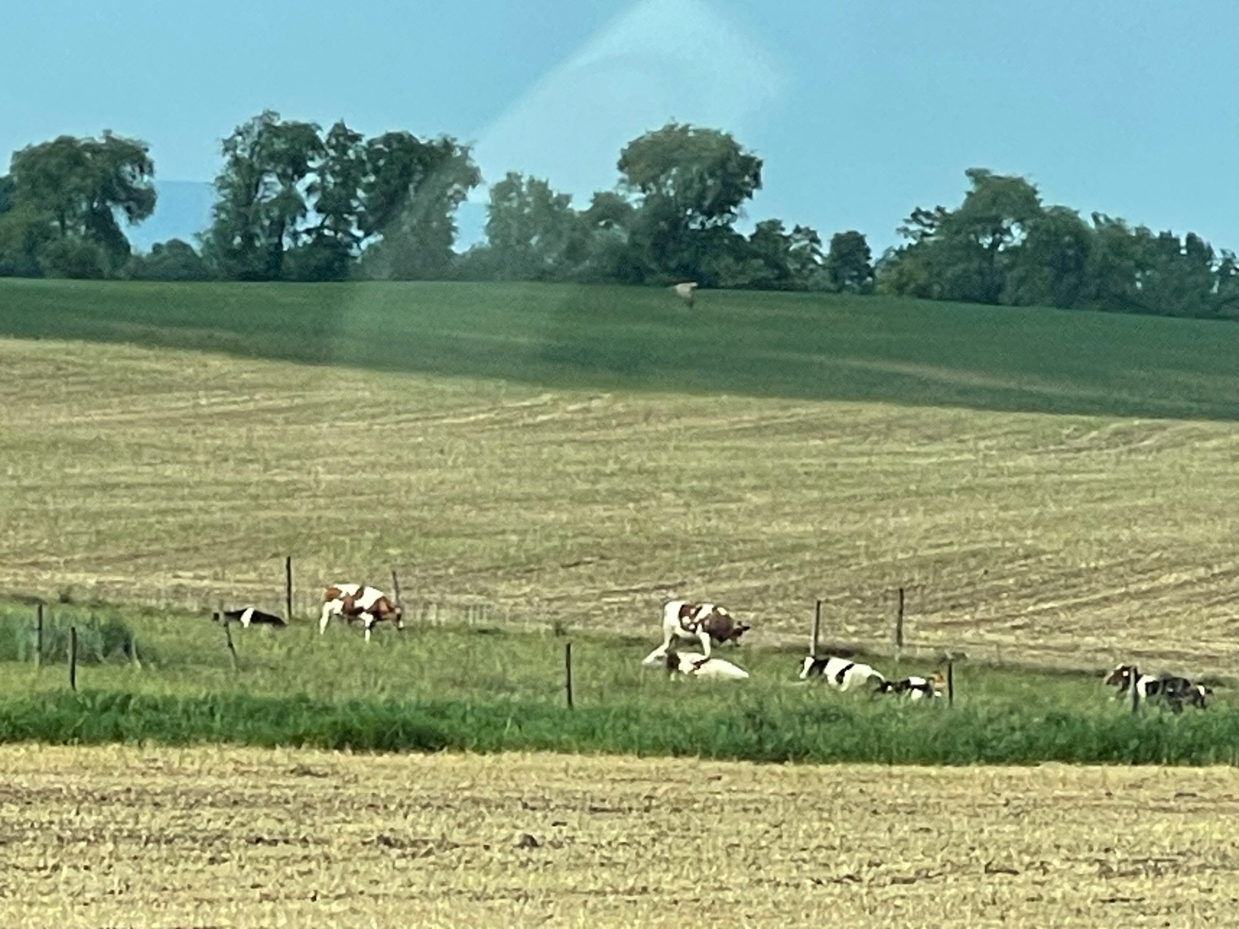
{"x":181,"y":478}
{"x":241,"y":837}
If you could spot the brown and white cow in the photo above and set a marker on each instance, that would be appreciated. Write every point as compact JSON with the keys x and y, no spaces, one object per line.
{"x":357,"y":601}
{"x":699,"y":622}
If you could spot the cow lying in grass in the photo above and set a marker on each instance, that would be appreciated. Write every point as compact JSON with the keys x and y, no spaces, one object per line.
{"x":250,"y":616}
{"x":702,"y":623}
{"x":357,"y":601}
{"x":915,"y":688}
{"x":1172,"y":690}
{"x":695,"y":664}
{"x":841,"y":672}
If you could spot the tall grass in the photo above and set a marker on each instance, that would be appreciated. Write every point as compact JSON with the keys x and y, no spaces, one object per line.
{"x":753,"y":730}
{"x":101,"y":636}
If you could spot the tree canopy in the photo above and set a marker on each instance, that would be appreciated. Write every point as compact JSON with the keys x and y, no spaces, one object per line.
{"x":295,"y":202}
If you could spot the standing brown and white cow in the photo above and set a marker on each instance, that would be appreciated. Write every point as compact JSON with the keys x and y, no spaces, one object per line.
{"x":699,"y":622}
{"x":357,"y":601}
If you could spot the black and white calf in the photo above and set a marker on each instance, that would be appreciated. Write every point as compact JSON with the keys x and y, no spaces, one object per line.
{"x":915,"y":688}
{"x":1173,"y":690}
{"x":841,"y":672}
{"x":250,"y":617}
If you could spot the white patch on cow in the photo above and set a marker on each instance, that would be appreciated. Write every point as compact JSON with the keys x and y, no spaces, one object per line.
{"x":695,"y":664}
{"x":246,"y":616}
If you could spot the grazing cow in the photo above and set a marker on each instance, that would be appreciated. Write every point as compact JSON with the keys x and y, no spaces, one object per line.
{"x":695,"y":664}
{"x":915,"y":688}
{"x":841,"y":672}
{"x":357,"y":601}
{"x":250,"y":616}
{"x":699,"y":622}
{"x":1173,"y":690}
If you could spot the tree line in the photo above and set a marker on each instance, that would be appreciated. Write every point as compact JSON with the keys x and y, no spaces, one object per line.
{"x":295,"y":202}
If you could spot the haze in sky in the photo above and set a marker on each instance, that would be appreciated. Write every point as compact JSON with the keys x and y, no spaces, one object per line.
{"x":861,"y":110}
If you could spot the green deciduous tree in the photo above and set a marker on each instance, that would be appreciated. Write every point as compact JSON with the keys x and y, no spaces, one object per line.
{"x":410,"y":197}
{"x":689,"y":182}
{"x":66,"y":199}
{"x":532,"y":231}
{"x":849,"y":263}
{"x":261,"y":196}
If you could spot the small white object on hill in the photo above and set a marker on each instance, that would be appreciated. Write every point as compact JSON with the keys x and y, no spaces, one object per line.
{"x":685,"y":291}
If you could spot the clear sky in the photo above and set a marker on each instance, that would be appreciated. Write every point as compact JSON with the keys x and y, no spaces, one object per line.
{"x":862,"y":109}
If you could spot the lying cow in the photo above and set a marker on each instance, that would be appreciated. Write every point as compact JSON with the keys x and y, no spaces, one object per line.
{"x":915,"y":688}
{"x":841,"y":672}
{"x":702,"y":623}
{"x":695,"y":664}
{"x":357,"y":601}
{"x":1173,"y":690}
{"x":250,"y":616}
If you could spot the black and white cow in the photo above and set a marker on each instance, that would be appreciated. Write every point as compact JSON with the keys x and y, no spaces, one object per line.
{"x":915,"y":688}
{"x":1173,"y":690}
{"x":841,"y":672}
{"x":249,"y":616}
{"x":702,"y":623}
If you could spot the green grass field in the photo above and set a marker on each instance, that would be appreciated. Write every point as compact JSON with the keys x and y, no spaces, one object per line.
{"x":490,"y":688}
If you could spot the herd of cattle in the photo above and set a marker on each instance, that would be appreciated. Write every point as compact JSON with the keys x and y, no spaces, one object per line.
{"x":709,"y":625}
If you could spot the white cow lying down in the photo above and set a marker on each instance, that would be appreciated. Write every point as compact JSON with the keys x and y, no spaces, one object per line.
{"x":694,"y":664}
{"x":841,"y":672}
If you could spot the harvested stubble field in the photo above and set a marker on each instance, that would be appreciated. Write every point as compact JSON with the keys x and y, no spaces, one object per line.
{"x":211,"y":837}
{"x":179,"y":478}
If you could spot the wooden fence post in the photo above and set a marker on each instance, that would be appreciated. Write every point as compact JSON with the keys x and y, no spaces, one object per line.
{"x":950,"y":682}
{"x":38,"y":635}
{"x":817,"y":629}
{"x":568,"y":672}
{"x":73,"y":657}
{"x":1135,"y":693}
{"x":899,"y":626}
{"x":288,"y":590}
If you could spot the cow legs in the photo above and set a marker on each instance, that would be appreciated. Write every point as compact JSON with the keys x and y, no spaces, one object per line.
{"x":329,"y":609}
{"x":704,"y":638}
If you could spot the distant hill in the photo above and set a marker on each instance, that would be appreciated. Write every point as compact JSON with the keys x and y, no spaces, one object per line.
{"x":182,"y":209}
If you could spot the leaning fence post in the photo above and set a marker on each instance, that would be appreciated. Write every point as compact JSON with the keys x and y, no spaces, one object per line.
{"x":73,"y":657}
{"x":568,"y":672}
{"x":950,"y":682}
{"x":38,"y":635}
{"x":817,"y":628}
{"x":899,"y":626}
{"x":288,"y":589}
{"x":1135,"y":692}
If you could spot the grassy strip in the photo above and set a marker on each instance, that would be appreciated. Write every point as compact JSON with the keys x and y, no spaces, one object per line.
{"x":749,"y":729}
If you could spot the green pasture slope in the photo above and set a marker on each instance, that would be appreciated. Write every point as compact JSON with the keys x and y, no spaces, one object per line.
{"x":808,"y":346}
{"x":490,"y":689}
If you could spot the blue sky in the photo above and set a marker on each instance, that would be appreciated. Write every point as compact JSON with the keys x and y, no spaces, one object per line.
{"x":861,"y":110}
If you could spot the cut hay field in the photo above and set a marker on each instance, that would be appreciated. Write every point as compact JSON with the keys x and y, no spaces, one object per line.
{"x":242,"y":837}
{"x":179,"y":478}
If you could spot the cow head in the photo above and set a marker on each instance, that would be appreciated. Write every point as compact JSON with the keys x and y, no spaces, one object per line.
{"x":722,"y":626}
{"x":1120,"y":677}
